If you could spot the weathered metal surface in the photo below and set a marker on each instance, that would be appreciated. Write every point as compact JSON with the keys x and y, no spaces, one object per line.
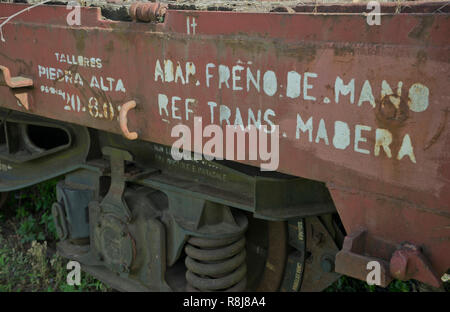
{"x":320,"y":261}
{"x":15,"y":82}
{"x":295,"y":264}
{"x":147,"y":12}
{"x":376,"y":98}
{"x":17,"y":85}
{"x":22,"y":165}
{"x":408,"y":262}
{"x":352,"y":260}
{"x":275,"y":262}
{"x":72,"y":206}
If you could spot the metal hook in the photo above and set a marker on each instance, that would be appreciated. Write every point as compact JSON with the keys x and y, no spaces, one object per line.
{"x":123,"y":121}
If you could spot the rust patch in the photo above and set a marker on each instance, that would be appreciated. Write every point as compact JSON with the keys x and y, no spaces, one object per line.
{"x":391,"y":113}
{"x":438,"y":133}
{"x":304,"y":53}
{"x":246,"y":44}
{"x":344,"y":51}
{"x":422,"y":30}
{"x":393,"y":109}
{"x":79,"y":35}
{"x":421,"y":58}
{"x":109,"y":46}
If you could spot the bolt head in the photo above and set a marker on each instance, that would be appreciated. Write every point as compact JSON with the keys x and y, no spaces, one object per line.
{"x":327,"y":264}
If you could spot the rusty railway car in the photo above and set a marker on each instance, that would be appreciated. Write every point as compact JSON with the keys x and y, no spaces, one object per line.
{"x":356,"y":114}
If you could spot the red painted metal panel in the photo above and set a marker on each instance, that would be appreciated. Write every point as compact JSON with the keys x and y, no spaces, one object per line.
{"x":398,"y":95}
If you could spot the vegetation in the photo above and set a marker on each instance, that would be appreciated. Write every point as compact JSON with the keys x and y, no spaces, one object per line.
{"x":348,"y":284}
{"x":28,"y":261}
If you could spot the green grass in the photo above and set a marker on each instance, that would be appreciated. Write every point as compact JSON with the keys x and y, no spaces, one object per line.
{"x":348,"y":284}
{"x":28,"y":261}
{"x":37,"y":269}
{"x":30,"y":209}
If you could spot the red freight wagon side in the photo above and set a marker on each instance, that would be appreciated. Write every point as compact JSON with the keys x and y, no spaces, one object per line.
{"x":354,"y":105}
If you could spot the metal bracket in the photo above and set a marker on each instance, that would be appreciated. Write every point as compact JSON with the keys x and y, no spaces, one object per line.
{"x":408,"y":262}
{"x":16,"y":84}
{"x":111,"y":241}
{"x":113,"y":202}
{"x":352,"y":260}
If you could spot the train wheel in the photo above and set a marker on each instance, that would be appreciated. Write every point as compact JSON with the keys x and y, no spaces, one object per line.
{"x":291,"y":256}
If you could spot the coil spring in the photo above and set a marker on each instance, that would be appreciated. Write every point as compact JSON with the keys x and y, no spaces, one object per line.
{"x":216,"y":264}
